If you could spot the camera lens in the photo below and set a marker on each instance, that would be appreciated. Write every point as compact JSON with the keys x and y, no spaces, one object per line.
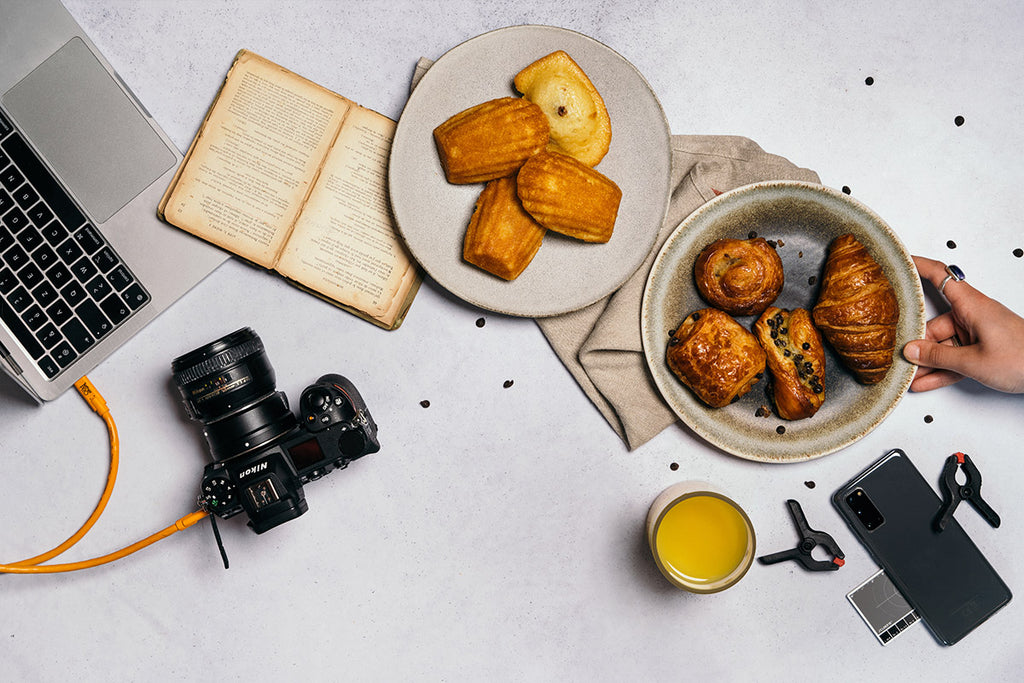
{"x":229,"y":386}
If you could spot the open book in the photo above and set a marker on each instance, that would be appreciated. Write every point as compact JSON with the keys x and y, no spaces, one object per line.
{"x":293,"y":177}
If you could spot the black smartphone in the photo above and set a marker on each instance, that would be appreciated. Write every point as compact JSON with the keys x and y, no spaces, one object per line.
{"x":943,"y":575}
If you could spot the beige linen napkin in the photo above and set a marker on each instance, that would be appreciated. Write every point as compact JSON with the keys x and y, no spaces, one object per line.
{"x":601,"y":344}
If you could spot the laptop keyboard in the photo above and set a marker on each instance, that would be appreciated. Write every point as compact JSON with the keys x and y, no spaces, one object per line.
{"x":62,"y":286}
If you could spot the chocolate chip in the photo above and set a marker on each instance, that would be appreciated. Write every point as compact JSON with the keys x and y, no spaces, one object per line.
{"x":781,"y":243}
{"x":673,"y":341}
{"x":951,"y":244}
{"x":869,"y":80}
{"x":928,"y":419}
{"x":780,"y":343}
{"x":425,"y":403}
{"x":786,"y":353}
{"x":562,"y":111}
{"x":959,"y":121}
{"x":508,"y":383}
{"x":763,"y":411}
{"x":674,"y":466}
{"x":810,"y":484}
{"x":774,"y":333}
{"x":480,"y":322}
{"x":846,"y":188}
{"x":696,"y":315}
{"x":781,"y":429}
{"x":812,"y":280}
{"x":1018,"y":252}
{"x":752,"y":234}
{"x":806,"y":346}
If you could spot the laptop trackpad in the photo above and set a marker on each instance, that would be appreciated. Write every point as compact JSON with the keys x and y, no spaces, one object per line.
{"x":88,"y":129}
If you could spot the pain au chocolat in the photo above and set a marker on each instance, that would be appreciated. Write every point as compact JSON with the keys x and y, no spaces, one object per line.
{"x":857,"y":310}
{"x":567,"y":196}
{"x":741,"y":277}
{"x":501,"y":238}
{"x":491,"y":139}
{"x":796,"y":361}
{"x":715,"y":356}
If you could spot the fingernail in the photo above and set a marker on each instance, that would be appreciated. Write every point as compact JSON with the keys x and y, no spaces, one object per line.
{"x":912,"y":352}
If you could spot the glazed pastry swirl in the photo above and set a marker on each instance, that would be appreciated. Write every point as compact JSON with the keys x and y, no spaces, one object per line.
{"x":741,"y":277}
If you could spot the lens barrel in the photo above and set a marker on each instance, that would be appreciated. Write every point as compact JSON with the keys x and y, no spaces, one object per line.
{"x":229,"y":385}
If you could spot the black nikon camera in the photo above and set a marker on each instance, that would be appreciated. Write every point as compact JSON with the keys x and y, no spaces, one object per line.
{"x":262,"y":453}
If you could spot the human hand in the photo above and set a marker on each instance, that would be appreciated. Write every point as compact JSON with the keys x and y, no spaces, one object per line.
{"x":978,"y":338}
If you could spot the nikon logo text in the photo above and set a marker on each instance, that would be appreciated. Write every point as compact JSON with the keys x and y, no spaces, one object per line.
{"x":254,"y":469}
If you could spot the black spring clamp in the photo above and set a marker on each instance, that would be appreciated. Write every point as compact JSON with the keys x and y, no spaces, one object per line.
{"x":810,"y":539}
{"x":954,"y":492}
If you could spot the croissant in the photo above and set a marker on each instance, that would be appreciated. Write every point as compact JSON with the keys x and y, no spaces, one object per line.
{"x":719,"y":359}
{"x":857,"y":310}
{"x":741,"y":277}
{"x":796,"y":361}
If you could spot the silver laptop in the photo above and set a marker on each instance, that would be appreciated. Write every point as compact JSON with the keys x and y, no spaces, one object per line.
{"x":84,"y":262}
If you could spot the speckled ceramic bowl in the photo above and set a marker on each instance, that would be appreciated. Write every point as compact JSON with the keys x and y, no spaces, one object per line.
{"x":804,"y":219}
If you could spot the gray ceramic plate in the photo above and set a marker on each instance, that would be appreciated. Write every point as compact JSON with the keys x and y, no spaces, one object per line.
{"x":432,"y":214}
{"x":804,"y":219}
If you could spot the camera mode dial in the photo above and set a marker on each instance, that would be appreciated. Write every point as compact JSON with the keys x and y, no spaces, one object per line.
{"x":219,"y":494}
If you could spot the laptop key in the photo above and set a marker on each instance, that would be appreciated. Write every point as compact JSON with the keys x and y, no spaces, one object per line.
{"x":69,"y":251}
{"x":120,"y":278}
{"x":25,"y":196}
{"x":74,"y":294}
{"x":54,"y":233}
{"x":115,"y":308}
{"x":6,"y":201}
{"x":30,"y":275}
{"x":40,"y":214}
{"x":6,"y":239}
{"x":59,"y":312}
{"x":7,"y":280}
{"x":76,"y":333}
{"x":105,"y":259}
{"x":83,"y":269}
{"x":135,"y":296}
{"x":64,"y":354}
{"x":94,"y":319}
{"x":98,"y":288}
{"x":30,"y":239}
{"x":21,"y":332}
{"x":48,"y":336}
{"x":49,"y":367}
{"x":88,"y":239}
{"x":45,"y":294}
{"x":11,"y":178}
{"x":34,"y":317}
{"x":44,"y":257}
{"x":19,"y":299}
{"x":59,"y":275}
{"x":15,"y":220}
{"x":15,"y":257}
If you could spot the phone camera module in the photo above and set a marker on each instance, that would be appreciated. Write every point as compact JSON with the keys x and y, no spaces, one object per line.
{"x":867,"y":513}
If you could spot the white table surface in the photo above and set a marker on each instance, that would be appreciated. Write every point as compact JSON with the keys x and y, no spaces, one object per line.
{"x":498,"y":535}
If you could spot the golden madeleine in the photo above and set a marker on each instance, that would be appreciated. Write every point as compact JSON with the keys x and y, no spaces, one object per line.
{"x":491,"y":139}
{"x":579,"y":121}
{"x":501,"y":238}
{"x":569,"y":197}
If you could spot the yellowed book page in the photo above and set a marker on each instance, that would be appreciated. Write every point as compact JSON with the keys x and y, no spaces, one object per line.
{"x":345,"y":245}
{"x":255,"y":158}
